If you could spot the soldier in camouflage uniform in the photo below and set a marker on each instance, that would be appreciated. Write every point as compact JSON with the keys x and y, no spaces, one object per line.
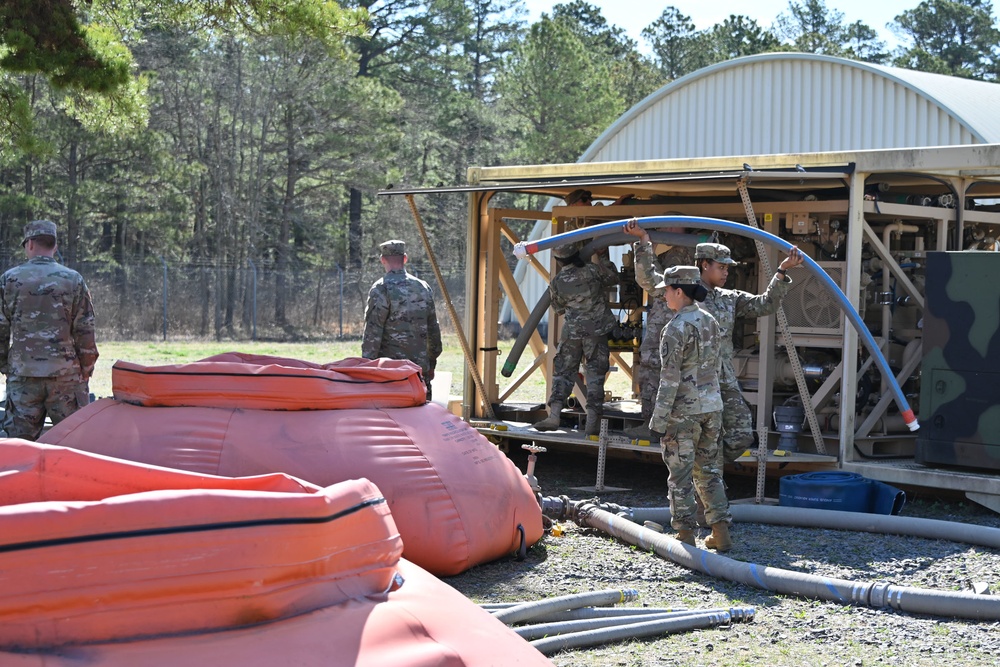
{"x":648,"y":273}
{"x":400,"y":317}
{"x":579,"y":292}
{"x":687,"y":413}
{"x":47,"y":346}
{"x":726,"y":305}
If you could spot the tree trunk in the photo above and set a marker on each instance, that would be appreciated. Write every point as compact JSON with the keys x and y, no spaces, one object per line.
{"x":284,"y":233}
{"x":68,"y":243}
{"x":206,"y":291}
{"x":354,"y":238}
{"x":29,"y":190}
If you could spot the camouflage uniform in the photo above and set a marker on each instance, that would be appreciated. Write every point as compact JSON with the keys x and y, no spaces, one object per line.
{"x":688,"y":411}
{"x":647,"y":274}
{"x":47,"y":345}
{"x":726,"y":305}
{"x":580,"y":294}
{"x":401,"y":320}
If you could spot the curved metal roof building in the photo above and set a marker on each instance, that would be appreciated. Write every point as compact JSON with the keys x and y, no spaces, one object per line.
{"x":800,"y":103}
{"x":775,"y":103}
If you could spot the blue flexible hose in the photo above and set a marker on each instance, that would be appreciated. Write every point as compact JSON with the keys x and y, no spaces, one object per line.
{"x":523,"y":249}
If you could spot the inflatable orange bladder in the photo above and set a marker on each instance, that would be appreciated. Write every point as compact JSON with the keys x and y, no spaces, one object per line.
{"x":111,"y":563}
{"x":235,"y":380}
{"x":178,"y":552}
{"x":457,"y":500}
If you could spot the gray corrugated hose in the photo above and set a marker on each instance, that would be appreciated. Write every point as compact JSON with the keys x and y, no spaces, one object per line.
{"x":886,"y":524}
{"x":551,"y":645}
{"x":529,"y":610}
{"x":903,"y":598}
{"x":585,"y":612}
{"x":540,"y":630}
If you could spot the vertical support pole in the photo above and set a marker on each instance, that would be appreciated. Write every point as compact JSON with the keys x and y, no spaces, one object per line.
{"x":476,"y":289}
{"x":764,"y":403}
{"x":487,"y":333}
{"x":602,"y":456}
{"x":852,"y":289}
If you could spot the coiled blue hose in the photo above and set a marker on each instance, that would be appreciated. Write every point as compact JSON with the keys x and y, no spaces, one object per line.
{"x":840,"y":490}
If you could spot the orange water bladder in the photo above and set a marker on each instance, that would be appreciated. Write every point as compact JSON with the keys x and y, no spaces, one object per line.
{"x":110,"y":563}
{"x":456,"y":499}
{"x":94,"y":549}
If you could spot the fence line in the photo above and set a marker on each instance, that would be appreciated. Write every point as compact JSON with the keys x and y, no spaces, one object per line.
{"x":153,"y":299}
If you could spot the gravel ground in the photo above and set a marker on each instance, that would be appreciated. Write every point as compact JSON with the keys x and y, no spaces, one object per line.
{"x":785,"y":630}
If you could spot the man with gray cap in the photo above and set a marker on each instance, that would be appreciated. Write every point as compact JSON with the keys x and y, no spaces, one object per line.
{"x":714,"y":260}
{"x":687,"y":412}
{"x":400,"y":317}
{"x":579,"y":292}
{"x":47,"y":346}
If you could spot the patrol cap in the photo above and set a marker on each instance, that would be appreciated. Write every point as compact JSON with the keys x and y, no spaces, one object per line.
{"x":393,"y":247}
{"x":566,"y":251}
{"x":39,"y":228}
{"x":680,"y":275}
{"x":714,"y":251}
{"x":576,"y":196}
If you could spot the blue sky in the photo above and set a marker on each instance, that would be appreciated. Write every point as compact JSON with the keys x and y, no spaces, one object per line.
{"x":634,"y":15}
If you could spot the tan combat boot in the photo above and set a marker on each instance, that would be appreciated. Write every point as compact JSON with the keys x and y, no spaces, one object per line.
{"x":719,"y":539}
{"x":686,"y":536}
{"x":550,"y":423}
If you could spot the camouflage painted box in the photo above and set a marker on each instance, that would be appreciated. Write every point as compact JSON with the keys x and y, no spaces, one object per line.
{"x":960,"y":377}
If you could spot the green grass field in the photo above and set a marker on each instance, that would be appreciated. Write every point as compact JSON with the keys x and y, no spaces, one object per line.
{"x":452,"y":360}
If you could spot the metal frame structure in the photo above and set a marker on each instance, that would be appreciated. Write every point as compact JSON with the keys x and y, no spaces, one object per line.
{"x":871,"y":196}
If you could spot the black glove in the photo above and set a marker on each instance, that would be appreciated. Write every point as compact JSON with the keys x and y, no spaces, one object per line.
{"x":657,"y":434}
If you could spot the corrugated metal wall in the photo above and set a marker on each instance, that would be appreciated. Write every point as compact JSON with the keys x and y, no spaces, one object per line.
{"x":792,"y":105}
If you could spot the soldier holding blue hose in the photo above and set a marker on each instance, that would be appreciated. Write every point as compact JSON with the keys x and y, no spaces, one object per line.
{"x":713,"y":261}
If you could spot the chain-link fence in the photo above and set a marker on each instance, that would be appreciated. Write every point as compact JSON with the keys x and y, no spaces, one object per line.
{"x":157,"y":299}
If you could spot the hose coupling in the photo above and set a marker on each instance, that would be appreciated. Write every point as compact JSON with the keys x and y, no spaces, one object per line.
{"x":742,"y":614}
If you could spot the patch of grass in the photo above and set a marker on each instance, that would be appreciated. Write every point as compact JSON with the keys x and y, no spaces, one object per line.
{"x":452,"y":360}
